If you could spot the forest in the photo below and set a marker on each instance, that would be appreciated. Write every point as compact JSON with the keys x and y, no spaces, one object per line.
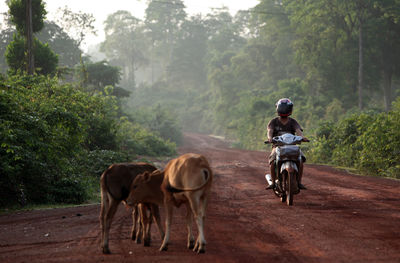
{"x":68,"y":115}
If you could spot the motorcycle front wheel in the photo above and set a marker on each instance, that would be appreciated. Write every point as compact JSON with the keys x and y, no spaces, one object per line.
{"x":291,"y":179}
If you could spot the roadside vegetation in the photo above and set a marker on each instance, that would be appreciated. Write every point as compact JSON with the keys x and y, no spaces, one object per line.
{"x":367,"y":141}
{"x":58,"y":134}
{"x":56,"y":138}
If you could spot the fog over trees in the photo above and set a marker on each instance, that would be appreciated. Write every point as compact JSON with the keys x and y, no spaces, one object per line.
{"x":222,"y":73}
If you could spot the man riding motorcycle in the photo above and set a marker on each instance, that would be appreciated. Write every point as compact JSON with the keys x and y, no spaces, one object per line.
{"x":281,"y":125}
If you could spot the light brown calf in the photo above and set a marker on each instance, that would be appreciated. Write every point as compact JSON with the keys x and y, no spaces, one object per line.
{"x":186,"y":179}
{"x":115,"y":183}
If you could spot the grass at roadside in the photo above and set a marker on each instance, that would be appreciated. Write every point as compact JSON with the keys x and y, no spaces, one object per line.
{"x":18,"y":208}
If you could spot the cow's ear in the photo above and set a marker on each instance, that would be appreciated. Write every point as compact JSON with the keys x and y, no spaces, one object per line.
{"x":146,"y":176}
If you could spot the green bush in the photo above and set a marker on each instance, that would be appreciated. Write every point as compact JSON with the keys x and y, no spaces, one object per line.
{"x":320,"y":151}
{"x":368,"y":141}
{"x":381,"y":144}
{"x":69,"y":191}
{"x":45,"y":59}
{"x":97,"y":161}
{"x":54,"y":137}
{"x":159,"y":121}
{"x":135,"y":139}
{"x":40,"y":137}
{"x":165,"y":125}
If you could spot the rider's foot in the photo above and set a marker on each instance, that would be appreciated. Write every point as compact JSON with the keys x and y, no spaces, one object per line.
{"x":271,"y":186}
{"x":301,"y":186}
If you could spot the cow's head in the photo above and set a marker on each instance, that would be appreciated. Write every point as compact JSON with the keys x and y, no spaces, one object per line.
{"x":142,"y":188}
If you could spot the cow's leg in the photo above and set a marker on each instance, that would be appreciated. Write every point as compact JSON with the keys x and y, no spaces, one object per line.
{"x":110,"y":212}
{"x":156,"y":216}
{"x":103,"y":210}
{"x":169,"y":207}
{"x":146,"y":221}
{"x":189,"y":224}
{"x":140,"y":229}
{"x":198,"y":212}
{"x":135,"y":216}
{"x":203,"y":205}
{"x":201,"y":219}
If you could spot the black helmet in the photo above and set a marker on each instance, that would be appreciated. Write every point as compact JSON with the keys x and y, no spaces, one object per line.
{"x":284,"y":107}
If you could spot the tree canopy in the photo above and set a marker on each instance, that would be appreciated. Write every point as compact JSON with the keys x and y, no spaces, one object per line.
{"x":17,"y":11}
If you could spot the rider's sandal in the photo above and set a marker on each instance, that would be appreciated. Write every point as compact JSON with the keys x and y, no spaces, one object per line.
{"x":271,"y":186}
{"x":301,"y":186}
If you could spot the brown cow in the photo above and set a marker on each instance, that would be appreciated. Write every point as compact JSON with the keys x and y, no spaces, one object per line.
{"x":186,"y":179}
{"x":115,"y":183}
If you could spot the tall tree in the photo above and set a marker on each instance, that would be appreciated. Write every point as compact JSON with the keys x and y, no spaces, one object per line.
{"x":17,"y":12}
{"x":385,"y":24}
{"x":164,"y":20}
{"x":29,"y":38}
{"x":363,"y":10}
{"x":272,"y":46}
{"x":224,"y":45}
{"x":224,"y":34}
{"x":361,"y":37}
{"x":326,"y":46}
{"x":6,"y":36}
{"x":125,"y":44}
{"x":28,"y":16}
{"x":77,"y":25}
{"x":187,"y":66}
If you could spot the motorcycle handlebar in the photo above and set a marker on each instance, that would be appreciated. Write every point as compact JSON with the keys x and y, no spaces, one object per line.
{"x":303,"y":140}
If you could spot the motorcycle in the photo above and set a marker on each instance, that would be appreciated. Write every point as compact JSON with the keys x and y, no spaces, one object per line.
{"x":288,"y":160}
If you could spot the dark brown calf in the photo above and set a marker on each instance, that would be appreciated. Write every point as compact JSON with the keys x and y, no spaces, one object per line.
{"x":115,"y":184}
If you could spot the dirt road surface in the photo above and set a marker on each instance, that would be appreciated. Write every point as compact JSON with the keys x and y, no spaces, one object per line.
{"x":340,"y":218}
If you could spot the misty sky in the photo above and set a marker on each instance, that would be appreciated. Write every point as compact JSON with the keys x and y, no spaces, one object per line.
{"x":102,"y":8}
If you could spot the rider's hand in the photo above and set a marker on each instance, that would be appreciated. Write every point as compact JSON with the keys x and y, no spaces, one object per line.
{"x":270,"y":140}
{"x":305,"y":139}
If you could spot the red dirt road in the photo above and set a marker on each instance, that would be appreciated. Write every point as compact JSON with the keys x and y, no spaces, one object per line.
{"x":340,"y":218}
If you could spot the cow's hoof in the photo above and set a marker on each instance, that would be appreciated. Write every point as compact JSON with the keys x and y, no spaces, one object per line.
{"x":164,"y":248}
{"x":191,"y":244}
{"x":133,"y":236}
{"x":146,"y":243}
{"x":200,"y":248}
{"x":106,"y":250}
